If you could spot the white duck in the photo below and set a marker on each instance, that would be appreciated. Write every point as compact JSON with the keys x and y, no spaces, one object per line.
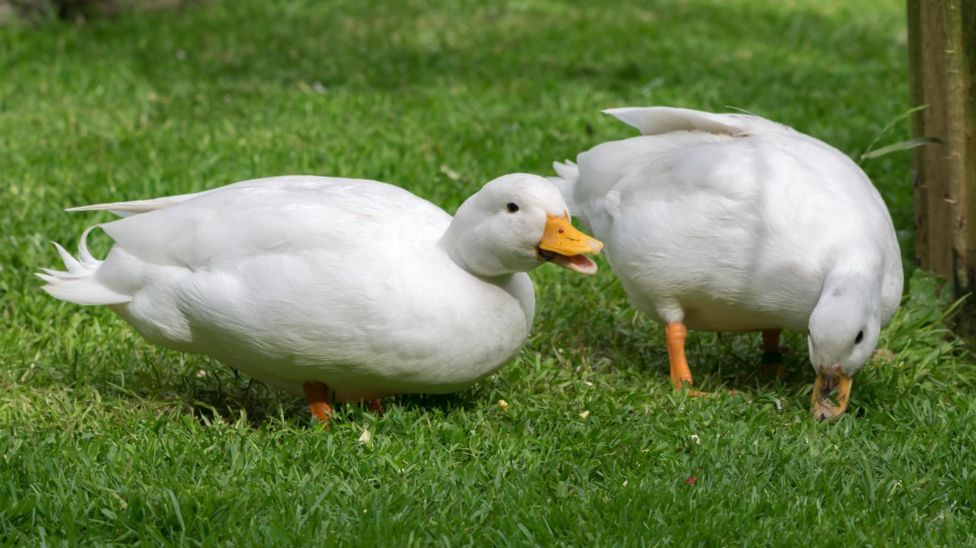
{"x":730,"y":222}
{"x":343,"y":289}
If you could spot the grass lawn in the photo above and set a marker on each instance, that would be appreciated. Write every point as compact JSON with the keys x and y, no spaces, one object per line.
{"x":104,"y":438}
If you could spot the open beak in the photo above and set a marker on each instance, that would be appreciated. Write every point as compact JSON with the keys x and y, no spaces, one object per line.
{"x":564,"y":245}
{"x":830,"y":394}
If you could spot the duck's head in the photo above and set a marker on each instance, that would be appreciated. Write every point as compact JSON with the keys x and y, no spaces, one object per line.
{"x":843,"y":333}
{"x":514,"y":224}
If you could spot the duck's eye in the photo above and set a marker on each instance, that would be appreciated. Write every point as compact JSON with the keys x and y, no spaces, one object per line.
{"x":512,"y":207}
{"x":859,"y":338}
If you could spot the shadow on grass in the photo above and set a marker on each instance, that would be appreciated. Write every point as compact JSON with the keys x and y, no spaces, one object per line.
{"x":254,"y":402}
{"x":233,"y":397}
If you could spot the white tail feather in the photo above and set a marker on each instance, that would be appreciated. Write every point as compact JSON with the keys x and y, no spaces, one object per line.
{"x":567,"y":170}
{"x":566,"y":175}
{"x":78,"y":284}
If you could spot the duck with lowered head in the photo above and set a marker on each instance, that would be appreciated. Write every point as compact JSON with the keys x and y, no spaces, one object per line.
{"x":731,"y":222}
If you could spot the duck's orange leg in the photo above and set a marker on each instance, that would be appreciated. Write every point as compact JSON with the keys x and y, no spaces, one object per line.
{"x":772,"y":358}
{"x":676,"y":333}
{"x":319,"y":399}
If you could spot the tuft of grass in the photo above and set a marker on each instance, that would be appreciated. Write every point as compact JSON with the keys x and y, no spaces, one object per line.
{"x":107,"y":439}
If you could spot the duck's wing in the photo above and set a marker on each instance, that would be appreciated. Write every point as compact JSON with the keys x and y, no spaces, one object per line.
{"x":663,"y":130}
{"x":671,"y":136}
{"x":273,"y":215}
{"x":678,"y":148}
{"x":605,"y":166}
{"x":661,"y":120}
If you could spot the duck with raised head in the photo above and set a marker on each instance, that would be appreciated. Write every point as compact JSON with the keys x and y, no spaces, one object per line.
{"x":338,"y":289}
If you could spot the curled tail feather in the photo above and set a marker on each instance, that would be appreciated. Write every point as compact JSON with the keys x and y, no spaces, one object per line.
{"x":567,"y":173}
{"x":77,"y":284}
{"x":567,"y":169}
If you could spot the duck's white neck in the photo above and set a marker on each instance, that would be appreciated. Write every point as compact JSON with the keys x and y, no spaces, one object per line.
{"x":469,"y":248}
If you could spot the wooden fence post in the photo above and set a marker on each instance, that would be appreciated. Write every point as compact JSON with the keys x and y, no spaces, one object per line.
{"x":942,"y":51}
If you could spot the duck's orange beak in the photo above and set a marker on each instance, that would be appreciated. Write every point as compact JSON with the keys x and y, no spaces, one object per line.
{"x":831,"y":392}
{"x":564,"y":245}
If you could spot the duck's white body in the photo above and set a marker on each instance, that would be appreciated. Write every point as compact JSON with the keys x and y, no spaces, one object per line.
{"x":730,"y":222}
{"x":296,"y":279}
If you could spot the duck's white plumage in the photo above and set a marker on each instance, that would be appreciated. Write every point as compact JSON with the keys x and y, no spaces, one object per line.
{"x":296,"y":279}
{"x":731,"y":222}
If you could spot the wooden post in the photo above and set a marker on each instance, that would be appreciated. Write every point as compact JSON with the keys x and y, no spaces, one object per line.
{"x":942,"y":51}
